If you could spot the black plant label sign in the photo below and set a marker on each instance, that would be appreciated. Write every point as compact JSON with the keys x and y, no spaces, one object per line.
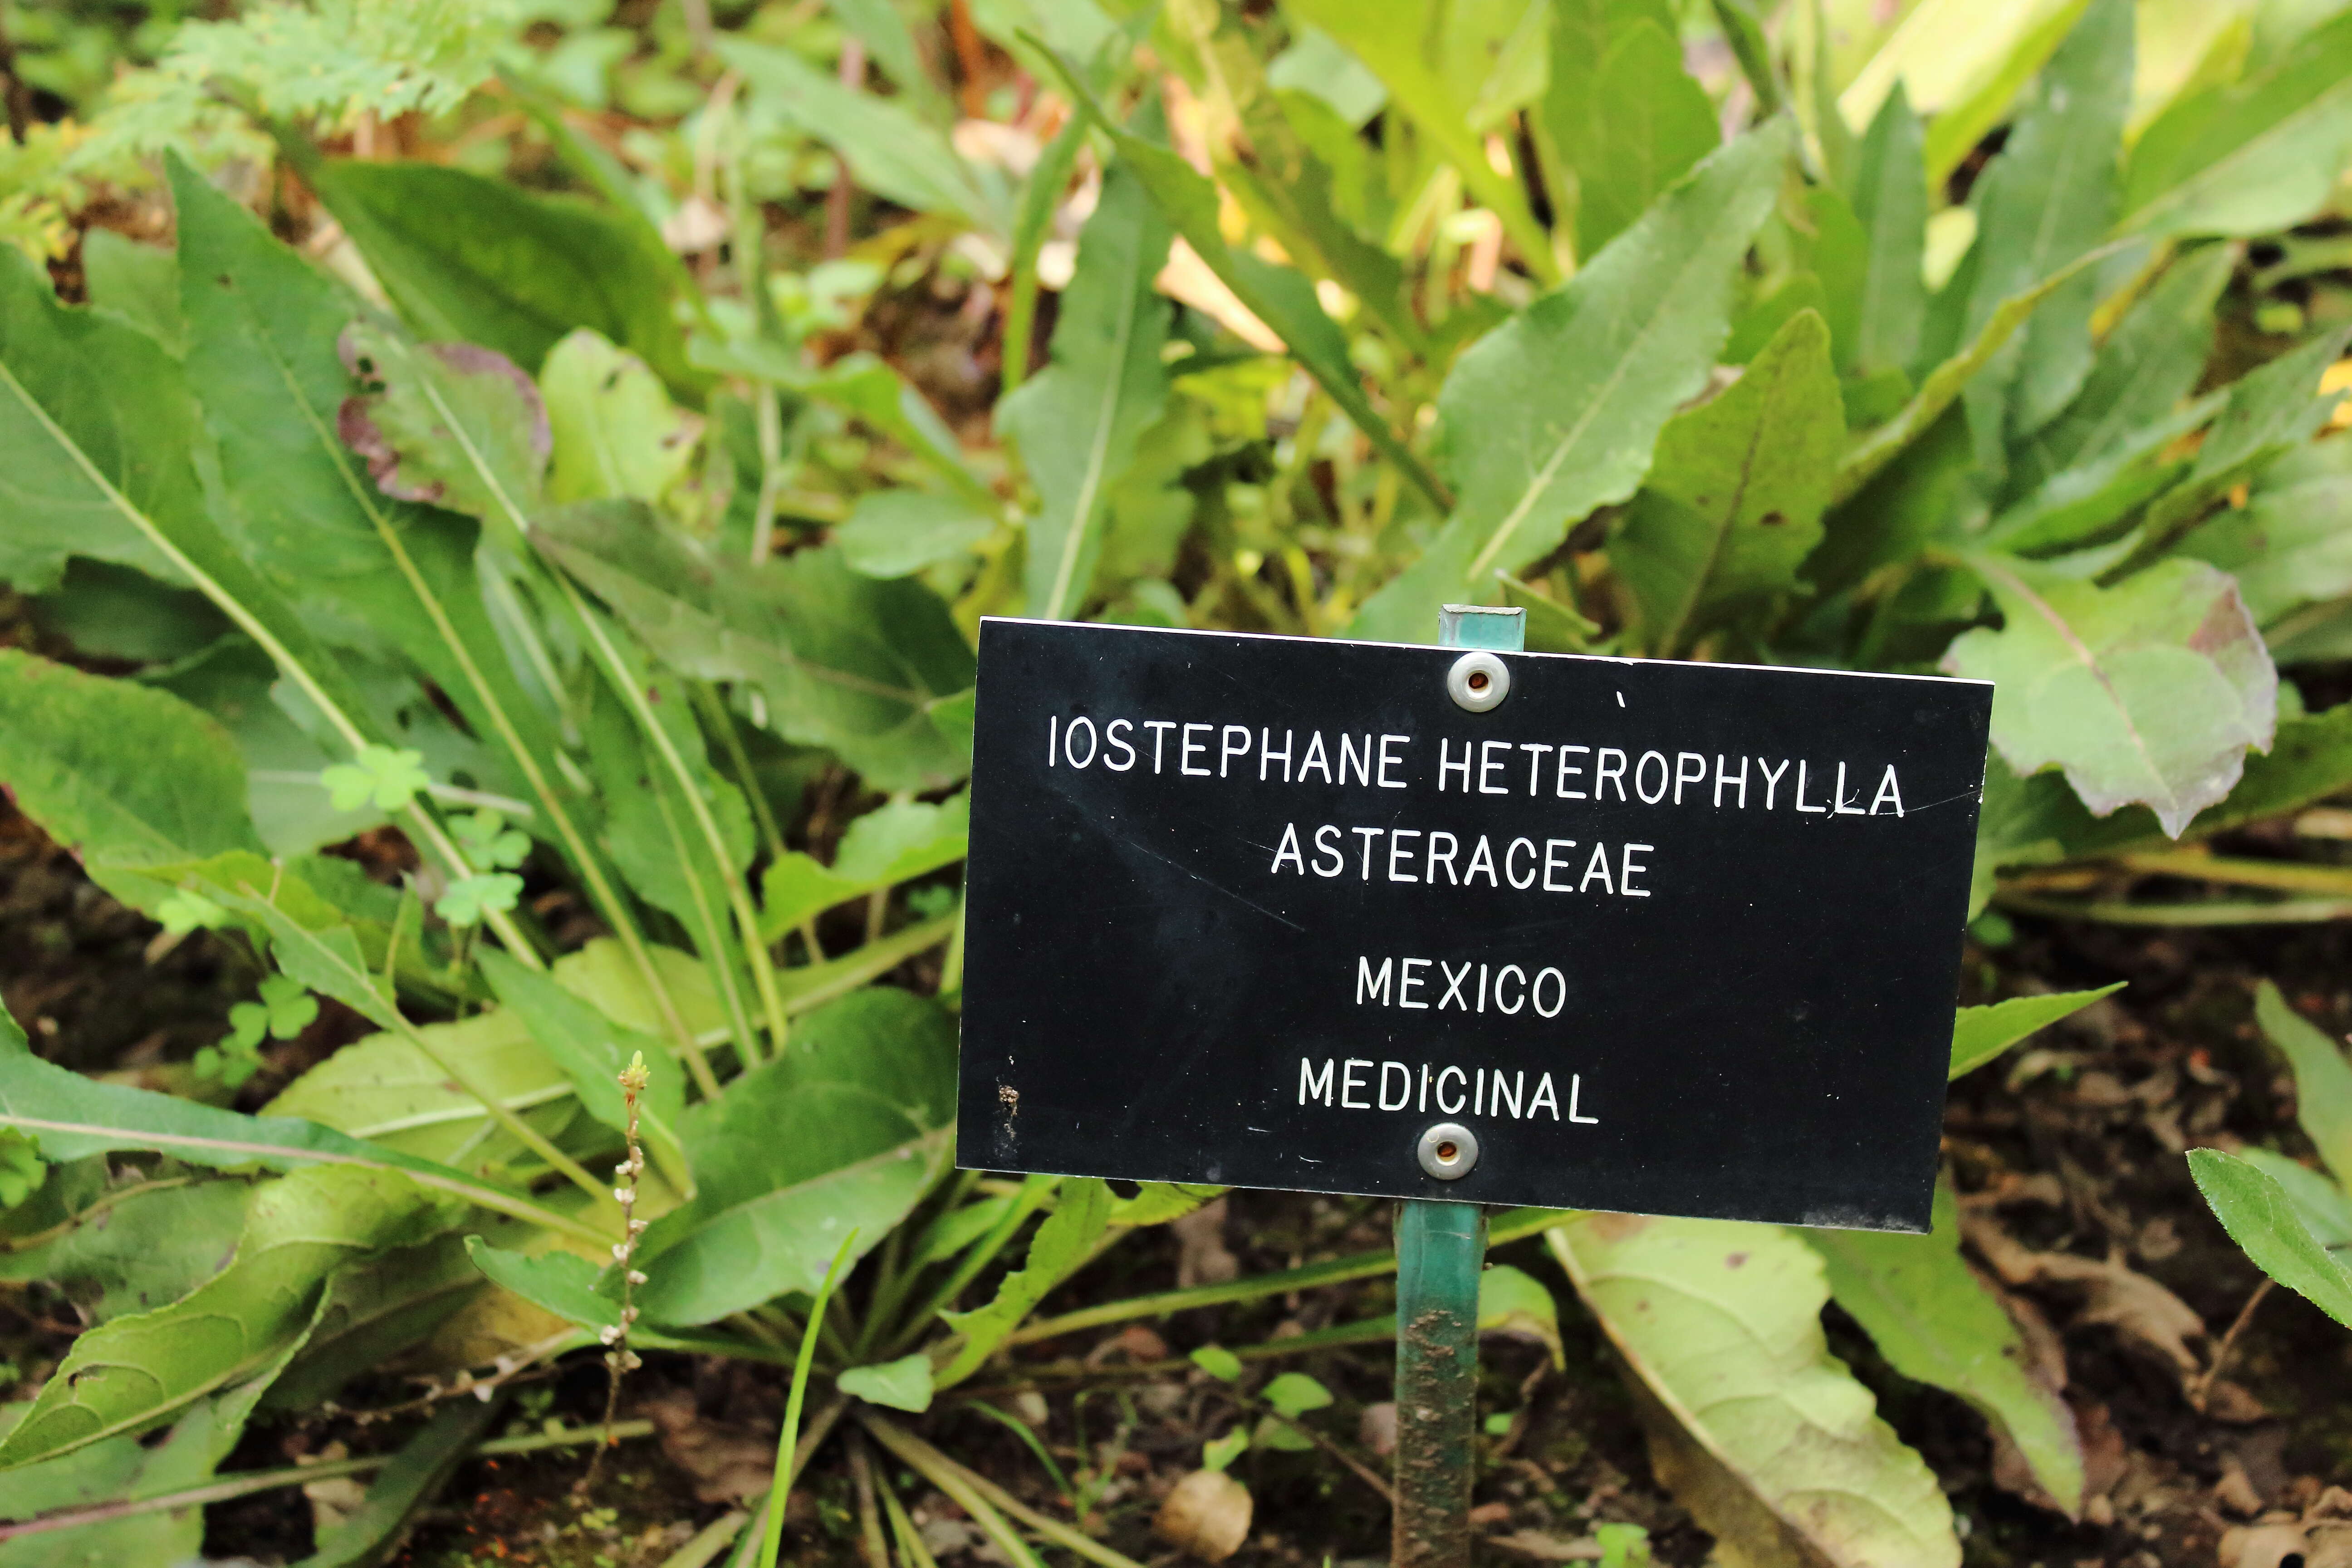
{"x":1661,"y":938}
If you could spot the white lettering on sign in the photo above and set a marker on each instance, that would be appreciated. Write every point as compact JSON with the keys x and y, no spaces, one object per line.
{"x":1511,"y":987}
{"x":1340,"y":1084}
{"x":1520,"y":863}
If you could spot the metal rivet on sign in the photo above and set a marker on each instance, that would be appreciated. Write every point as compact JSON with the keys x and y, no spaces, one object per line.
{"x":1478,"y":681}
{"x":1448,"y":1150}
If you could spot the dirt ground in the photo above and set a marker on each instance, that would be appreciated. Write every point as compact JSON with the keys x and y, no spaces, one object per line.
{"x":2071,"y":1145}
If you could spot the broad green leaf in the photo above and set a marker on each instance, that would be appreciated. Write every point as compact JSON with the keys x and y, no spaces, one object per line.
{"x":1720,"y":1323}
{"x":563,"y":1282}
{"x":2263,"y":1218}
{"x":600,"y":971}
{"x":1555,"y":412}
{"x":892,"y":152}
{"x":1065,"y":1240}
{"x":472,"y":260}
{"x":385,"y":1089}
{"x":1280,"y":297}
{"x":138,"y":1373}
{"x":114,"y":612}
{"x":1458,"y":67}
{"x":125,"y":775}
{"x":896,"y":533}
{"x":2325,"y":1208}
{"x":614,"y":429}
{"x":374,"y":1310}
{"x":2045,"y":201}
{"x":2084,"y":505}
{"x":1964,"y":59}
{"x":1621,"y":113}
{"x":1890,"y":198}
{"x":842,"y":661}
{"x":1513,"y":1302}
{"x":133,"y":1250}
{"x":1935,"y":1322}
{"x":2291,"y":543}
{"x":846,"y":1130}
{"x":1961,"y":122}
{"x":902,"y":1385}
{"x":2323,"y":1079}
{"x":2251,"y":157}
{"x":1980,"y":1033}
{"x":373,"y":1534}
{"x":591,"y":1050}
{"x":141,"y":283}
{"x":1076,"y":422}
{"x":232,"y":682}
{"x":453,"y":425}
{"x":2149,"y":691}
{"x":1733,"y":503}
{"x":1218,"y":1363}
{"x":2147,"y":366}
{"x":892,"y":844}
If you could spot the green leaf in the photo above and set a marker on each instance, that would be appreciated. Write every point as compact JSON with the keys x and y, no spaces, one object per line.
{"x":1458,"y":67}
{"x":376,"y":1309}
{"x":1218,"y":1453}
{"x":1218,"y":1363}
{"x":141,"y":283}
{"x":1294,"y":1394}
{"x":1935,"y":1322}
{"x":2151,"y":691}
{"x":892,"y":152}
{"x":1621,"y":113}
{"x":134,"y":1250}
{"x":591,"y":1050}
{"x":1280,"y":296}
{"x":386,"y":1088}
{"x":867,"y":390}
{"x":1157,"y":1203}
{"x":847,"y":1130}
{"x":1733,"y":503}
{"x":842,"y":661}
{"x":377,"y":777}
{"x":1555,"y":412}
{"x":2045,"y":201}
{"x":2291,"y":543}
{"x":614,"y":429}
{"x":902,"y":1385}
{"x":1063,"y":1242}
{"x":138,"y":1373}
{"x":477,"y":260}
{"x":1890,"y":199}
{"x":2325,"y":1207}
{"x":1517,"y":1304}
{"x":371,"y":1535}
{"x":2323,"y":1079}
{"x":1980,"y":1033}
{"x":1076,"y":422}
{"x":896,"y":533}
{"x":2019,"y":38}
{"x":565,"y":1283}
{"x":2252,"y":157}
{"x":2264,"y":1219}
{"x":452,"y":423}
{"x":126,"y":775}
{"x":1760,"y":1432}
{"x":894,"y":843}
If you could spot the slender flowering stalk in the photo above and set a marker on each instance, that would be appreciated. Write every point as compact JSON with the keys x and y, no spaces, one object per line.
{"x":618,"y":1358}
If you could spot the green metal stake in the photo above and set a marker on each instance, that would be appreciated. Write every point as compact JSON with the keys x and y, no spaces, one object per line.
{"x":1441,"y":1249}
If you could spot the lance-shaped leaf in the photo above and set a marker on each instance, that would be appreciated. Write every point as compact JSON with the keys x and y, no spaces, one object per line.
{"x":1890,"y":200}
{"x":2249,"y":157}
{"x":371,"y":1535}
{"x":2263,"y":1218}
{"x":471,"y":259}
{"x":2323,"y":1079}
{"x":1065,"y":1240}
{"x":2149,"y":691}
{"x":1936,"y":1323}
{"x":137,"y":1373}
{"x":1764,"y":1434}
{"x":2291,"y":543}
{"x":565,"y":1283}
{"x":124,"y":775}
{"x":843,"y":660}
{"x":2046,"y":200}
{"x":591,"y":1050}
{"x":1076,"y":422}
{"x":1555,"y":412}
{"x":1980,"y":1033}
{"x":893,"y":844}
{"x":1733,"y":503}
{"x":117,"y":1251}
{"x":1621,"y":113}
{"x":847,"y":1130}
{"x":893,"y":152}
{"x":1278,"y":296}
{"x":454,"y":425}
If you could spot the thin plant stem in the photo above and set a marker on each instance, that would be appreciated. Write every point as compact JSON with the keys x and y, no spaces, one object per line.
{"x":619,"y":1360}
{"x":969,"y":1487}
{"x":869,"y":1516}
{"x":704,"y":1545}
{"x":1033,"y":1192}
{"x":912,"y":1552}
{"x":787,"y":1440}
{"x":2204,"y":1388}
{"x":716,"y":714}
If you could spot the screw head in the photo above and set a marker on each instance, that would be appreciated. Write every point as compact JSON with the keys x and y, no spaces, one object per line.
{"x":1478,"y":681}
{"x":1448,"y":1150}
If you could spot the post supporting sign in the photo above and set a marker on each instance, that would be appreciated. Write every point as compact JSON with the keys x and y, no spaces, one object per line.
{"x":1464,"y":925}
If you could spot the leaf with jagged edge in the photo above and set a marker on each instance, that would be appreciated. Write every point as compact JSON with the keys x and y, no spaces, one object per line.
{"x":1621,"y":113}
{"x":1935,"y":1322}
{"x":137,"y":1373}
{"x":1890,"y":199}
{"x":1063,"y":1242}
{"x":2263,"y":1218}
{"x":1556,"y":413}
{"x":2151,"y":691}
{"x":1767,"y":1439}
